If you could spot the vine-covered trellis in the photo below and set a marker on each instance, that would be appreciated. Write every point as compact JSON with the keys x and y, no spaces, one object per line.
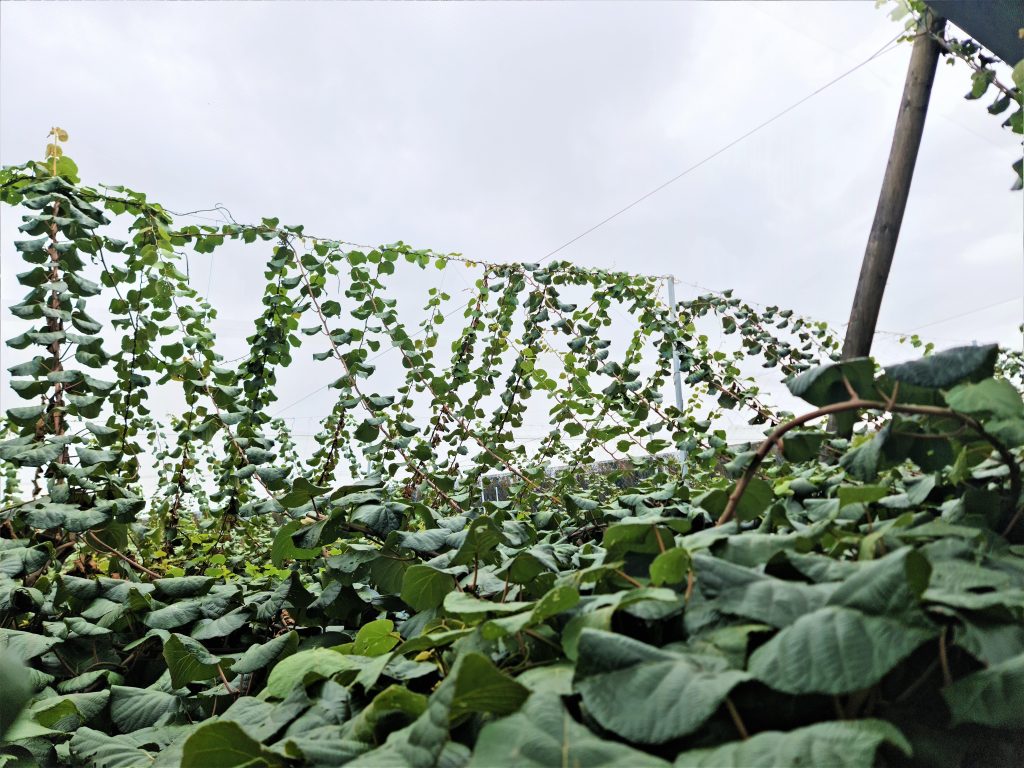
{"x":516,"y":327}
{"x":529,"y":331}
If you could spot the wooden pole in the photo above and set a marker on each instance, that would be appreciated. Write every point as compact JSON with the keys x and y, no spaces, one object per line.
{"x":892,"y":201}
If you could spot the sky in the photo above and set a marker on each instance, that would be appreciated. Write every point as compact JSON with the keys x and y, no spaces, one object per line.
{"x":502,"y":131}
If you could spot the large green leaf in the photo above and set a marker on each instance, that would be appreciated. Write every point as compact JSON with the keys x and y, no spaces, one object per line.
{"x":135,"y":708}
{"x":841,"y":744}
{"x":993,"y":697}
{"x":835,"y":650}
{"x":284,"y":547}
{"x":417,"y":745}
{"x":990,"y":397}
{"x":552,"y":603}
{"x":891,"y":585}
{"x":394,"y":702}
{"x":481,"y":687}
{"x":944,"y":369}
{"x":645,"y":694}
{"x":424,"y":587}
{"x":774,"y":601}
{"x":183,"y":586}
{"x":101,"y":750}
{"x":304,"y":667}
{"x":261,"y":654}
{"x":188,"y":661}
{"x":482,"y":537}
{"x":375,"y":638}
{"x":474,"y":685}
{"x":225,"y":744}
{"x":24,"y":646}
{"x":381,"y":518}
{"x":209,"y":629}
{"x":542,"y":734}
{"x":17,"y":690}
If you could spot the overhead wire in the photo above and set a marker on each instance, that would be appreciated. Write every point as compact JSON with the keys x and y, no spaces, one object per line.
{"x":677,"y":177}
{"x":728,"y":146}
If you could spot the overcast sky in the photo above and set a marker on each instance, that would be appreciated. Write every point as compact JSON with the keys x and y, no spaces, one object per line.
{"x":503,"y":130}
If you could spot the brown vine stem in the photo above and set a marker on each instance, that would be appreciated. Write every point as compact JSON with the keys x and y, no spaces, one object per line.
{"x":947,"y":678}
{"x":224,"y":679}
{"x":355,"y":388}
{"x":857,"y":404}
{"x":629,"y":578}
{"x":691,"y":579}
{"x":657,"y":535}
{"x":111,"y":551}
{"x":736,"y":719}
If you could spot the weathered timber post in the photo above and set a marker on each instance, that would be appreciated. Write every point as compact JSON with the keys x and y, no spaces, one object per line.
{"x":892,"y":201}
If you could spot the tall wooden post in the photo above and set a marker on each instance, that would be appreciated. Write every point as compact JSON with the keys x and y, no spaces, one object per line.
{"x":892,"y":201}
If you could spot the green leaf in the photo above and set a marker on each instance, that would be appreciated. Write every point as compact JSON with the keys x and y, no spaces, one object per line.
{"x":382,"y":519}
{"x":424,"y":587}
{"x":481,"y":687}
{"x":944,"y":369}
{"x":756,"y":498}
{"x":803,"y":445}
{"x":375,"y":638}
{"x":25,"y":417}
{"x":306,"y":667}
{"x":135,"y":708}
{"x":993,"y":643}
{"x":183,"y":586}
{"x":555,"y":601}
{"x":15,"y":684}
{"x":261,"y":654}
{"x":670,"y":567}
{"x":302,"y":491}
{"x":284,"y":549}
{"x":860,"y":494}
{"x":95,"y":748}
{"x":824,"y":384}
{"x":645,"y":694}
{"x":482,"y":537}
{"x":890,"y":586}
{"x":174,"y":615}
{"x":834,"y":650}
{"x":224,"y":744}
{"x":367,"y":432}
{"x":24,"y":646}
{"x":188,"y":661}
{"x":775,"y":602}
{"x":992,"y":697}
{"x":837,"y":744}
{"x":391,"y":702}
{"x":420,"y":744}
{"x":542,"y":734}
{"x":222,"y":626}
{"x":991,"y":397}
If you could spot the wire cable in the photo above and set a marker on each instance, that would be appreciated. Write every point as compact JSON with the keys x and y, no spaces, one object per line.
{"x":884,"y":49}
{"x":728,"y":146}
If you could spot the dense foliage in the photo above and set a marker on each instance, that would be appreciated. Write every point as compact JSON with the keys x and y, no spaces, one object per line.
{"x":849,"y":598}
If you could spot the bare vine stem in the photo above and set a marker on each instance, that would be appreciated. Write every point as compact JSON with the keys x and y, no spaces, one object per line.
{"x":855,"y":403}
{"x":108,"y":550}
{"x":355,"y":388}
